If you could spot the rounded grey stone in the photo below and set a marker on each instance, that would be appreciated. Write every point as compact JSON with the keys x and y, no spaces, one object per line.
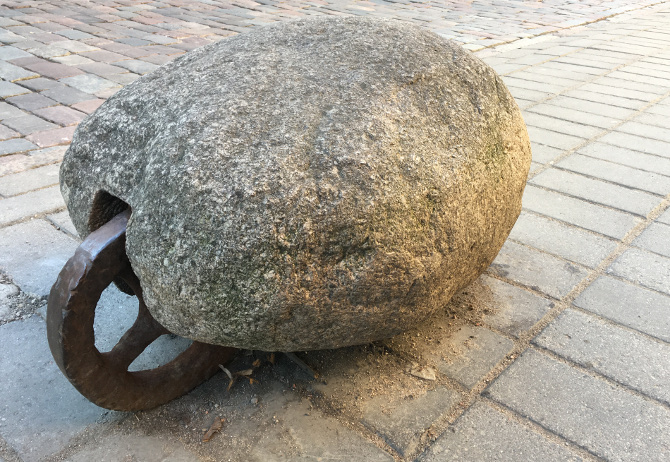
{"x":311,"y":184}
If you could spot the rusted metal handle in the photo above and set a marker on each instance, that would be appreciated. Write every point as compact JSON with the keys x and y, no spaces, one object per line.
{"x":104,"y":378}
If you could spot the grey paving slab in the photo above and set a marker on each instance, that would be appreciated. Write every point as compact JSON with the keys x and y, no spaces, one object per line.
{"x":8,"y":111}
{"x":601,"y":192}
{"x":478,"y":351}
{"x":29,"y":180}
{"x":88,"y":83}
{"x":665,"y":217}
{"x":29,"y":204}
{"x":634,"y":127}
{"x":29,"y":123}
{"x":67,"y":95}
{"x":62,"y":221}
{"x":8,"y":89}
{"x":565,"y":241}
{"x":19,"y":162}
{"x":648,"y":162}
{"x":13,"y":73}
{"x":9,"y":52}
{"x":483,"y":433}
{"x":584,"y":409}
{"x":637,"y":143}
{"x":656,"y":238}
{"x":15,"y":145}
{"x":599,"y":87}
{"x":537,"y":270}
{"x":645,"y":268}
{"x":554,"y":139}
{"x":649,"y":118}
{"x":593,"y":107}
{"x":510,"y":309}
{"x":137,"y":66}
{"x":402,"y":423}
{"x":615,"y":173}
{"x":627,"y":357}
{"x":38,"y":254}
{"x":41,"y":411}
{"x":559,"y":125}
{"x":628,"y":304}
{"x":544,"y":154}
{"x":609,"y":222}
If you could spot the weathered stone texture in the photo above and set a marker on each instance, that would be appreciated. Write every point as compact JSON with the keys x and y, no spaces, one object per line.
{"x":311,"y":184}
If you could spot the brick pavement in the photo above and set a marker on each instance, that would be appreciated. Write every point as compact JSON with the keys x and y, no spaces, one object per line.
{"x":565,"y":355}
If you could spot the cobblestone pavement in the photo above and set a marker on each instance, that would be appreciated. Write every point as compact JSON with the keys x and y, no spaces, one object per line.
{"x":561,"y":351}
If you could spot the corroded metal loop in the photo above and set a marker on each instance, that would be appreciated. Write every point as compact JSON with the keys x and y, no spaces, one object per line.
{"x":104,"y":378}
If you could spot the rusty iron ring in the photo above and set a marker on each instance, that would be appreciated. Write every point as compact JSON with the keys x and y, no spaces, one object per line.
{"x":104,"y":378}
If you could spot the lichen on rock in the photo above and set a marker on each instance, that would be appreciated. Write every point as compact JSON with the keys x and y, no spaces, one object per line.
{"x":311,"y":184}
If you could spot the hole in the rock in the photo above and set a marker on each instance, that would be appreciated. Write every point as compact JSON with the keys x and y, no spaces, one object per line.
{"x":104,"y":208}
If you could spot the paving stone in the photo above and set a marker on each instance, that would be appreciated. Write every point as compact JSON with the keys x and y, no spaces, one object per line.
{"x":544,"y":154}
{"x":15,"y":145}
{"x":627,"y":176}
{"x":8,"y":53}
{"x":122,"y":79}
{"x":40,"y":84}
{"x":609,"y":222}
{"x":31,"y":101}
{"x":88,"y":106}
{"x":88,"y":83}
{"x":638,"y":143}
{"x":601,"y":89}
{"x":649,"y":118}
{"x":401,"y":423}
{"x":9,"y":89}
{"x":605,"y":99}
{"x":478,"y":351}
{"x":53,"y":137}
{"x":61,"y":220}
{"x":665,"y":217}
{"x":647,"y":162}
{"x":510,"y":309}
{"x":644,"y":268}
{"x":137,"y":66}
{"x":73,"y":60}
{"x":597,"y":191}
{"x":655,"y":238}
{"x":67,"y":95}
{"x":584,"y":409}
{"x":626,"y":357}
{"x":28,"y":123}
{"x":482,"y":433}
{"x":7,"y":133}
{"x":8,"y":111}
{"x":554,"y":139}
{"x":54,"y":70}
{"x":568,"y":242}
{"x":32,"y":203}
{"x":101,"y":69}
{"x":29,"y":180}
{"x":647,"y":131}
{"x":104,"y":56}
{"x":604,"y":110}
{"x":537,"y":270}
{"x":19,"y":162}
{"x":41,"y":411}
{"x":13,"y":73}
{"x":559,"y":125}
{"x":135,"y":447}
{"x":61,"y":115}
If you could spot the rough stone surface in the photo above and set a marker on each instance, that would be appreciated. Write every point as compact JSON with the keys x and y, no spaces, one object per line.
{"x":312,"y":184}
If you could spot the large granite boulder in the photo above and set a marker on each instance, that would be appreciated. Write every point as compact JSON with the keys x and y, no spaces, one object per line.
{"x":311,"y":184}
